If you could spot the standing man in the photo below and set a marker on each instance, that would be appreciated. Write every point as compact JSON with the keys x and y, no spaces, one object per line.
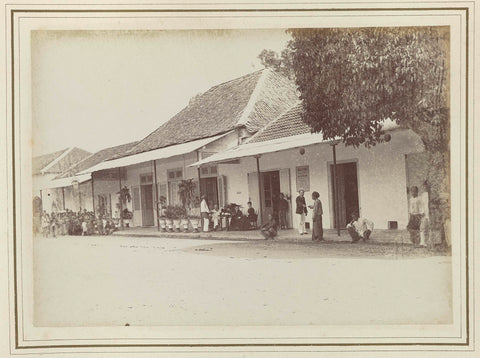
{"x":416,"y":214}
{"x":301,"y":211}
{"x":317,"y":232}
{"x":204,"y":213}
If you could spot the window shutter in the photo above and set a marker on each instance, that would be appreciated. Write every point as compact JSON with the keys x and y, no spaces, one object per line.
{"x":222,"y":190}
{"x":136,"y":198}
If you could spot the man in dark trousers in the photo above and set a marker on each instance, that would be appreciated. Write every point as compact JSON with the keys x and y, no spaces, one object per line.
{"x":301,"y":211}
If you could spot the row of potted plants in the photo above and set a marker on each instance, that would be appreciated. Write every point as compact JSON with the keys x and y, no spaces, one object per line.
{"x":175,"y":218}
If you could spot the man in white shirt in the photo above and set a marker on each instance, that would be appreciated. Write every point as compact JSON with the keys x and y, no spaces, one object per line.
{"x":417,"y":212}
{"x":359,"y":228}
{"x":204,"y":213}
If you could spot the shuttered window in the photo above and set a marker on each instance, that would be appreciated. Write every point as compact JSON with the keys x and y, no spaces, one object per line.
{"x":136,"y":198}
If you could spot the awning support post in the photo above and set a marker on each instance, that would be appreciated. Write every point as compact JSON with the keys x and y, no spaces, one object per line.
{"x":198,"y":174}
{"x":335,"y":191}
{"x":63,"y":197}
{"x":121,"y":203}
{"x":260,"y":212}
{"x":41,"y":199}
{"x":156,"y":193}
{"x":93,"y":197}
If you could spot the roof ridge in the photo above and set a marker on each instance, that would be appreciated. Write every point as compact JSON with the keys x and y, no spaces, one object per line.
{"x":61,"y":151}
{"x":234,"y":79}
{"x":74,"y":165}
{"x":273,"y":122}
{"x":56,"y":160}
{"x":253,"y":98}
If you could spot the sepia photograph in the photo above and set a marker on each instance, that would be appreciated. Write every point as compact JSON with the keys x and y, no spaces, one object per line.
{"x":320,"y":172}
{"x":262,"y":181}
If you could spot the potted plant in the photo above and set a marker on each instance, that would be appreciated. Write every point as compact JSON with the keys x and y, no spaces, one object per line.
{"x":169,"y":215}
{"x":161,"y":212}
{"x":124,"y":197}
{"x":184,"y":221}
{"x":186,"y":192}
{"x":127,"y":215}
{"x":178,"y":212}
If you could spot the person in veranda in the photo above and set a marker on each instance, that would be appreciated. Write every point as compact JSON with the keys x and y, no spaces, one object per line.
{"x":301,"y":211}
{"x":317,"y":212}
{"x":204,"y":213}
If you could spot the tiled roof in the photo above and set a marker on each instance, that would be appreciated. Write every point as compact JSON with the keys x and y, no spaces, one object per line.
{"x":58,"y":162}
{"x":96,"y":158}
{"x":42,"y":161}
{"x":286,"y":125}
{"x":72,"y":157}
{"x":252,"y":101}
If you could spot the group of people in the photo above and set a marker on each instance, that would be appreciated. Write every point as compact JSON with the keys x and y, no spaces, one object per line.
{"x":269,"y":229}
{"x":227,"y":218}
{"x":70,"y":222}
{"x":358,"y":228}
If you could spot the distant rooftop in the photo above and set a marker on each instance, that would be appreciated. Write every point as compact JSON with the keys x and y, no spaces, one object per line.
{"x":96,"y":158}
{"x":59,"y":161}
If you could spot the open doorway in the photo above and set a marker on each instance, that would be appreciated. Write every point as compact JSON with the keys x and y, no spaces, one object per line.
{"x":347,"y":192}
{"x":209,"y":188}
{"x":147,"y":205}
{"x":271,"y":193}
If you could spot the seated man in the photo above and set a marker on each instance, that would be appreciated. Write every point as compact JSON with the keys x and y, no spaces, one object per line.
{"x":238,"y":220}
{"x":215,"y":214}
{"x":269,"y":229}
{"x":359,"y":228}
{"x":251,"y":215}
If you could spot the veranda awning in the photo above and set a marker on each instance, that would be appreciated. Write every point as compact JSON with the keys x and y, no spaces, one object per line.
{"x":258,"y":148}
{"x":271,"y":146}
{"x":161,"y":153}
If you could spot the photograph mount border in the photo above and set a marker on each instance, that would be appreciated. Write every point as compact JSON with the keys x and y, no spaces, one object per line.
{"x":11,"y":71}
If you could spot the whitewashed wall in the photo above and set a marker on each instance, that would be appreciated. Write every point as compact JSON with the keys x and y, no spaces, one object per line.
{"x":381,"y":177}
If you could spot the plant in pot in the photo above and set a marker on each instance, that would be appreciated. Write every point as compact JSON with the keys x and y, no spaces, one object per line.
{"x":124,"y":195}
{"x":186,"y":192}
{"x":161,"y":213}
{"x":178,"y":211}
{"x":127,"y":215}
{"x":194,"y":214}
{"x":184,"y":221}
{"x":169,"y":215}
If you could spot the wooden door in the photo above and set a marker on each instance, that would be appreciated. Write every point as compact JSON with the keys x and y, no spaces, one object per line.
{"x":147,"y":205}
{"x":347,"y":192}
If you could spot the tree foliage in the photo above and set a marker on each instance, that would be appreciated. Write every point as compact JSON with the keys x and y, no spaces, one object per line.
{"x":352,"y":79}
{"x":281,"y":63}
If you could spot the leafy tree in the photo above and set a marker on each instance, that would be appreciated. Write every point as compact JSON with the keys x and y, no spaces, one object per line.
{"x":351,"y":79}
{"x":281,"y":63}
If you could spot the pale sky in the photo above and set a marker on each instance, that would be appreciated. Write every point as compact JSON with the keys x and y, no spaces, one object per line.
{"x":97,"y":89}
